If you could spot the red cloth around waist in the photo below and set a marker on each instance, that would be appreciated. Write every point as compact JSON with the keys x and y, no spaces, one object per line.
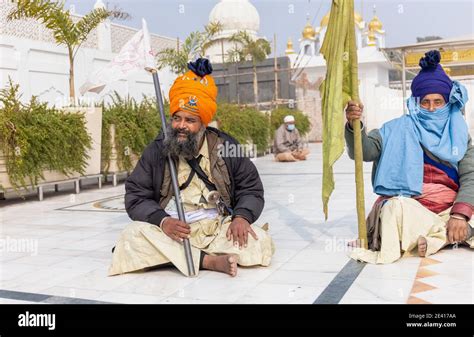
{"x":439,"y":191}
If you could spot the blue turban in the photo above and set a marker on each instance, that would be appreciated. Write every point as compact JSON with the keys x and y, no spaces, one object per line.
{"x":431,"y":79}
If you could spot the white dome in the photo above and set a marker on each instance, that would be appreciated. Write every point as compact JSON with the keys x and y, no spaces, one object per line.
{"x":236,"y":15}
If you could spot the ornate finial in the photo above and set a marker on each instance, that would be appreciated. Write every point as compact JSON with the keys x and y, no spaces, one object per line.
{"x":99,"y":4}
{"x":289,"y":47}
{"x":375,"y":25}
{"x":308,"y":31}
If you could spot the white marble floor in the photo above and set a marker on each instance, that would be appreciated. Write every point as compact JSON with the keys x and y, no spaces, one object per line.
{"x":61,"y":247}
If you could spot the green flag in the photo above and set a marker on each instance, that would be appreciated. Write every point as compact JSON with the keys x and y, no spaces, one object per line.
{"x":340,"y":85}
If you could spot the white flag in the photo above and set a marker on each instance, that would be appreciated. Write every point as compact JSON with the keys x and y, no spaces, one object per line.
{"x":136,"y":54}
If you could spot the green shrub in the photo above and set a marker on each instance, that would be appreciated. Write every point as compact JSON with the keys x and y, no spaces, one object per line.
{"x":244,"y":124}
{"x":136,"y":125}
{"x":301,"y":120}
{"x":35,"y":138}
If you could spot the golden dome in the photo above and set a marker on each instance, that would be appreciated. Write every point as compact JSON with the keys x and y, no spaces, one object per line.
{"x":289,"y":47}
{"x":375,"y":24}
{"x":308,"y":31}
{"x":325,"y":20}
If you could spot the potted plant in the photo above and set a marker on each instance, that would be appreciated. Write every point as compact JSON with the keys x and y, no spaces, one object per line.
{"x":39,"y":143}
{"x":72,"y":33}
{"x":128,"y":127}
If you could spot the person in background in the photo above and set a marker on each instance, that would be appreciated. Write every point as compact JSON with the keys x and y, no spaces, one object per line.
{"x":288,"y":146}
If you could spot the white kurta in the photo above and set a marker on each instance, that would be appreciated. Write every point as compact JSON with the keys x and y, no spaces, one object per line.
{"x":143,"y":245}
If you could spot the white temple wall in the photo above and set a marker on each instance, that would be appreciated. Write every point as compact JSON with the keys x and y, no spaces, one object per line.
{"x":31,"y":57}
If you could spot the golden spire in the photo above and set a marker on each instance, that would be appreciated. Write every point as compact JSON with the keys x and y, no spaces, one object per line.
{"x":289,"y":47}
{"x":375,"y":25}
{"x":308,"y":32}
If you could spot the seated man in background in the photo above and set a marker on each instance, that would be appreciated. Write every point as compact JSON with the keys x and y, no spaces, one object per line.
{"x":288,"y":145}
{"x":221,"y":234}
{"x":423,"y":170}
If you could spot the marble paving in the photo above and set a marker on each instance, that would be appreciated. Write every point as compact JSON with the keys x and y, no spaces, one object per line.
{"x":58,"y":251}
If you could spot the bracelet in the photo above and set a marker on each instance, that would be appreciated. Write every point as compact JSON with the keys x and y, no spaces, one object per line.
{"x":163,"y":221}
{"x":458,"y":217}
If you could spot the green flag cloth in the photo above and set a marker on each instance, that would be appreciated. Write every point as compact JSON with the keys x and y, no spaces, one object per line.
{"x":340,"y":85}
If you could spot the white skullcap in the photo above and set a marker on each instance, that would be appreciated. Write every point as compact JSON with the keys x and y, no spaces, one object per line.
{"x":289,"y":119}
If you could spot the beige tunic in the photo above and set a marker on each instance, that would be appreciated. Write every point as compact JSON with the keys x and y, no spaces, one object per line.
{"x":403,"y":221}
{"x":143,"y":245}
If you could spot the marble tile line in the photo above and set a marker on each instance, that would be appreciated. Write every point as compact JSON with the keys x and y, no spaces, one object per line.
{"x":90,"y":210}
{"x":307,"y":174}
{"x":341,"y":283}
{"x":65,"y":208}
{"x":43,"y":298}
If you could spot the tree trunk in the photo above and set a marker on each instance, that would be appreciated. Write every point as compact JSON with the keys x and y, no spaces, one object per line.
{"x":255,"y":85}
{"x":72,"y":95}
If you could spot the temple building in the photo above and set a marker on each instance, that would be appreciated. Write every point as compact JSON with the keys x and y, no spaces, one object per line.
{"x":234,"y":16}
{"x":309,"y":68}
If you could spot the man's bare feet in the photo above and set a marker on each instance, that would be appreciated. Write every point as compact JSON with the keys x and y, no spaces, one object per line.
{"x":422,"y":246}
{"x":223,"y":263}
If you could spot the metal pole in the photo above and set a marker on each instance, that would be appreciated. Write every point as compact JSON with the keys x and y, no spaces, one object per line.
{"x":404,"y":89}
{"x":237,"y":82}
{"x":224,"y":70}
{"x":275,"y":66}
{"x":174,"y":179}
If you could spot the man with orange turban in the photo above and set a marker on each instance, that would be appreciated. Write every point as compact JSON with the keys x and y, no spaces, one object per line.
{"x":222,"y":195}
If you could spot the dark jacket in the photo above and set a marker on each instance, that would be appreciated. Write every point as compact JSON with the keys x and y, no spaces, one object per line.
{"x":372,"y":148}
{"x":144,"y":186}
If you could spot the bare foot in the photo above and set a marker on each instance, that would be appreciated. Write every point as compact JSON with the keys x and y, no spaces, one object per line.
{"x":422,"y":246}
{"x":223,"y":263}
{"x":300,"y":157}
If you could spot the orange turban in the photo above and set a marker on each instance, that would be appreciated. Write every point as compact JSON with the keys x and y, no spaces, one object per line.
{"x":195,"y":92}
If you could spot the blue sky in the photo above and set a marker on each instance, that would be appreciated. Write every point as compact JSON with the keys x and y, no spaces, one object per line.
{"x":403,"y":20}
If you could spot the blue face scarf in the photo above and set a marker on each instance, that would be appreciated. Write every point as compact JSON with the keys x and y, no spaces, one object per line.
{"x":443,"y":132}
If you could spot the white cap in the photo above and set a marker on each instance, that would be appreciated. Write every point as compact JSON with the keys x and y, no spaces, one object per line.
{"x":289,"y":119}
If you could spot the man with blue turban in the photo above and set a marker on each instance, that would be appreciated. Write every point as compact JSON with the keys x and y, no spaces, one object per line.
{"x":423,"y":170}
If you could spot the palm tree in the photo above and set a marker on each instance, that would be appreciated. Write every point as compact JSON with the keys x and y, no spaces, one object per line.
{"x":248,"y":48}
{"x":195,"y":44}
{"x":66,"y":31}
